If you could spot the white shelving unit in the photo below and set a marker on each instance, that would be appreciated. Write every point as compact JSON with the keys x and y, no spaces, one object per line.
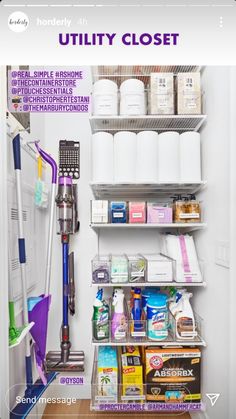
{"x":128,"y":191}
{"x":187,"y":227}
{"x":120,"y":73}
{"x":150,"y":284}
{"x":196,"y":342}
{"x":144,"y":190}
{"x":159,"y":123}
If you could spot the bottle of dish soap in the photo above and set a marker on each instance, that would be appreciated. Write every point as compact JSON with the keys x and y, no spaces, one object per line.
{"x":100,"y":318}
{"x":119,"y":322}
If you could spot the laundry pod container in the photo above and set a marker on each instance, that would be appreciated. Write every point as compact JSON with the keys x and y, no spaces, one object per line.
{"x":132,"y":98}
{"x":105,"y":98}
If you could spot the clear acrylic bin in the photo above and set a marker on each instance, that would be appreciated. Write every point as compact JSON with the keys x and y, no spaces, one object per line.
{"x":137,"y":268}
{"x":101,"y":269}
{"x":119,"y":269}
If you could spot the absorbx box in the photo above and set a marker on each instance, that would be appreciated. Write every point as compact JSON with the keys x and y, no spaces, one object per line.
{"x":173,"y":375}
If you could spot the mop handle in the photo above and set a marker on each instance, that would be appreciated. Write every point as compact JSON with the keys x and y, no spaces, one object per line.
{"x":22,"y":252}
{"x":53,"y":165}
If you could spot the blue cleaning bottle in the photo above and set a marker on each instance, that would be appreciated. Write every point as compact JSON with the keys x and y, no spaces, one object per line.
{"x":137,"y":310}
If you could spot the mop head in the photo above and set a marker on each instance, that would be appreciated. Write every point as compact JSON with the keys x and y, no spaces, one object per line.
{"x":41,"y":194}
{"x":74,"y":363}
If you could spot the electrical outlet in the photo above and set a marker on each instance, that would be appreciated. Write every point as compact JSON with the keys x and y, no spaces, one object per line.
{"x":222,"y":254}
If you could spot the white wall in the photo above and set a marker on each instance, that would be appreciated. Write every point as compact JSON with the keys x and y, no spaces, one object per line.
{"x":212,"y":303}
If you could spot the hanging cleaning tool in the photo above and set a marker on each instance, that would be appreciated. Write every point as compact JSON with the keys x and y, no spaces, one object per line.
{"x":38,"y":307}
{"x":16,"y":334}
{"x":65,"y":359}
{"x":41,"y":190}
{"x":33,"y":391}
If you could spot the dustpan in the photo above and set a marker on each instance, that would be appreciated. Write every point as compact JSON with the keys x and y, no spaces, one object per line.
{"x":38,"y":309}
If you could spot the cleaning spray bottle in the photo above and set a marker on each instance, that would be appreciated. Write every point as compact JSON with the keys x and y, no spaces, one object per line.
{"x":184,"y":317}
{"x":119,"y":322}
{"x":100,"y":317}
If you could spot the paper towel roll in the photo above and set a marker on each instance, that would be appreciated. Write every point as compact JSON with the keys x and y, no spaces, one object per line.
{"x":102,"y":157}
{"x":124,"y":156}
{"x":190,"y":157}
{"x":168,"y":157}
{"x":147,"y":157}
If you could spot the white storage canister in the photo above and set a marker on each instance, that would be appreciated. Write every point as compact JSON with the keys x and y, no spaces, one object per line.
{"x":132,"y":98}
{"x":105,"y":97}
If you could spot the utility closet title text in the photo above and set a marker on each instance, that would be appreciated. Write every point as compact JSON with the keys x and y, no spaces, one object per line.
{"x":109,"y":39}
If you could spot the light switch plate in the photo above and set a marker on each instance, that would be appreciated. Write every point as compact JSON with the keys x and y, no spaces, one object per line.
{"x":222,"y":254}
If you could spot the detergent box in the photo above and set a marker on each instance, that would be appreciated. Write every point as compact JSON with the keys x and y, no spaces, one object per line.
{"x":173,"y":375}
{"x":107,"y":374}
{"x":132,"y":373}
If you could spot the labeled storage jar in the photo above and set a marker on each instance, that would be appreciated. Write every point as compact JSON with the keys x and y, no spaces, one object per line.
{"x":132,"y":98}
{"x":105,"y":98}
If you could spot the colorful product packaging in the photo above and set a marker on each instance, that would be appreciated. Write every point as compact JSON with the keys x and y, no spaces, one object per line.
{"x":118,"y":212}
{"x":173,"y":375}
{"x":132,"y":373}
{"x":137,"y":212}
{"x":107,"y":374}
{"x":159,"y":214}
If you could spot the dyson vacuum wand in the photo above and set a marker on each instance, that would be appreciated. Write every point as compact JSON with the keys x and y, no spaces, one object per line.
{"x":66,"y":360}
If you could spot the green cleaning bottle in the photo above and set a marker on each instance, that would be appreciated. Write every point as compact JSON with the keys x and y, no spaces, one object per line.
{"x":100,"y":318}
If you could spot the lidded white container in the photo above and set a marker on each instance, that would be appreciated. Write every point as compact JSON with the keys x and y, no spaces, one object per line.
{"x":105,"y":97}
{"x":132,"y":98}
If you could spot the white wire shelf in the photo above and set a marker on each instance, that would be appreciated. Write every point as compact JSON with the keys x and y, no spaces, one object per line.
{"x":180,"y":123}
{"x":187,"y":227}
{"x":120,"y":73}
{"x":149,"y":284}
{"x":129,"y":190}
{"x":198,"y":341}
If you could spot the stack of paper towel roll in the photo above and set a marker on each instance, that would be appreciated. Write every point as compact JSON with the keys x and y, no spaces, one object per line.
{"x":146,"y":157}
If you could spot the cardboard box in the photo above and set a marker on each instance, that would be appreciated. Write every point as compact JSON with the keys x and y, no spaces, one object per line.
{"x":161,"y":95}
{"x":173,"y":375}
{"x":189,"y":93}
{"x":99,"y":211}
{"x":159,"y":268}
{"x":132,"y":373}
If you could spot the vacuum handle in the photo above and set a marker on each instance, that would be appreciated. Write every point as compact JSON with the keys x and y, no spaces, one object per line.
{"x":71,"y":284}
{"x":16,"y":152}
